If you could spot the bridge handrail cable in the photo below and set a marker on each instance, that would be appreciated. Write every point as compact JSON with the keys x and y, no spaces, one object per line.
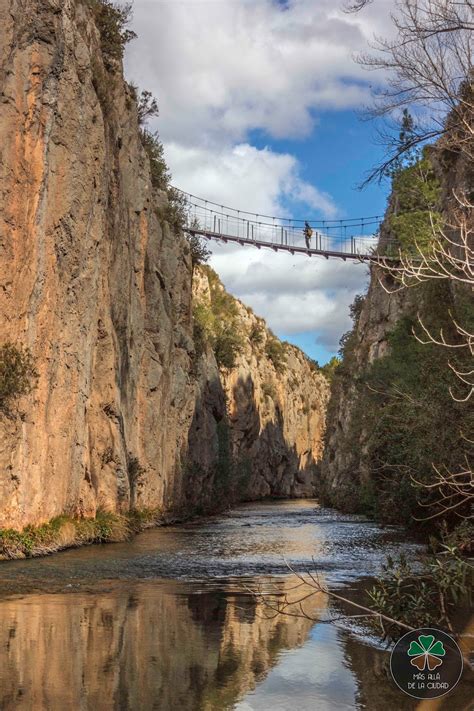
{"x":325,"y":224}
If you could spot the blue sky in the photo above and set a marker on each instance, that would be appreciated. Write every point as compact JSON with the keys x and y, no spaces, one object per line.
{"x":258,"y":110}
{"x":337,"y":156}
{"x":342,"y":148}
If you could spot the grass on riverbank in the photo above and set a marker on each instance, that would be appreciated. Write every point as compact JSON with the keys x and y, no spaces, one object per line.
{"x":65,"y":532}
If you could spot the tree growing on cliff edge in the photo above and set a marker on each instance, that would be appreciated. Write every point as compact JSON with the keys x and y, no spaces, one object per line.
{"x":112,"y":21}
{"x":429,"y":65}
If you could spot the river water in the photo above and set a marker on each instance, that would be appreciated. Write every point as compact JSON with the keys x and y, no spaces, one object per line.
{"x":167,"y":621}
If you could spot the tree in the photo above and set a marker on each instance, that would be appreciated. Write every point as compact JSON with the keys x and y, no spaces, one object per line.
{"x":112,"y":20}
{"x":147,"y":107}
{"x":200,"y":253}
{"x":430,"y":70}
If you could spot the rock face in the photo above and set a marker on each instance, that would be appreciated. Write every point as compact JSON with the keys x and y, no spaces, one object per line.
{"x":344,"y":460}
{"x":276,"y":412}
{"x":347,"y":467}
{"x":91,"y":280}
{"x":96,"y":284}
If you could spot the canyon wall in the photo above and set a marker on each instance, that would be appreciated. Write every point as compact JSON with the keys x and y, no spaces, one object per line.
{"x":95,"y":282}
{"x":392,"y":415}
{"x":276,"y":402}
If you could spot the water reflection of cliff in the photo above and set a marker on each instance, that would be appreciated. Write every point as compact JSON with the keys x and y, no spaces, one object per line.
{"x":151,"y":647}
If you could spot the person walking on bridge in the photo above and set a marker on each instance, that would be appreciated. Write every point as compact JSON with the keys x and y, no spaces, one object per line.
{"x":308,"y":233}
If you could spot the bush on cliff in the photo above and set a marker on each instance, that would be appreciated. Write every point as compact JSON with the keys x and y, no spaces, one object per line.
{"x":160,"y":175}
{"x":112,"y":20}
{"x":18,"y":375}
{"x":200,"y":253}
{"x":217,"y":324}
{"x":329,"y":368}
{"x":275,"y":351}
{"x":257,"y":333}
{"x":416,"y":195}
{"x":227,"y":345}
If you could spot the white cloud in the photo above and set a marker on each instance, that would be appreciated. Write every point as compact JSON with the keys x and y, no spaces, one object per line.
{"x":222,"y":69}
{"x":244,"y":177}
{"x":225,"y":67}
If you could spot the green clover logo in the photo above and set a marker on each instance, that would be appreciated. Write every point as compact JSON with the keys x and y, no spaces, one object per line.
{"x":426,"y":652}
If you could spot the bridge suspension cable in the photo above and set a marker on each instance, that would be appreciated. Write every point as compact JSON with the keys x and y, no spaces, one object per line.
{"x":353,"y":238}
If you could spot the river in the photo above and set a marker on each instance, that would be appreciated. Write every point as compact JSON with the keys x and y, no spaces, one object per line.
{"x":167,"y":622}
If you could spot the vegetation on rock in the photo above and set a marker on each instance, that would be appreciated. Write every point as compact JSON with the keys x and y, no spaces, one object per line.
{"x":112,"y":21}
{"x":416,"y":191}
{"x":18,"y":374}
{"x":329,"y":368}
{"x":275,"y":351}
{"x":217,"y":324}
{"x":66,"y":532}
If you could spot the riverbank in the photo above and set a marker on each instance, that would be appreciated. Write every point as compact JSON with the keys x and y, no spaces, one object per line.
{"x":64,"y":532}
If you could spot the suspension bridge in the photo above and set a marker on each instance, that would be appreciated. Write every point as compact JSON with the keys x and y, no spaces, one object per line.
{"x":351,"y":239}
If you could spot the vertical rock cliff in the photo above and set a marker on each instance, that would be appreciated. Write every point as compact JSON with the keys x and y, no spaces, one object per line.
{"x":392,"y":417}
{"x":91,"y":279}
{"x":98,"y":286}
{"x":275,"y":397}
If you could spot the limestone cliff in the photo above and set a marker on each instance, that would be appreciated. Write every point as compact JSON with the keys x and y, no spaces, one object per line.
{"x":99,"y":287}
{"x":391,"y":416}
{"x":276,"y":400}
{"x":91,"y":279}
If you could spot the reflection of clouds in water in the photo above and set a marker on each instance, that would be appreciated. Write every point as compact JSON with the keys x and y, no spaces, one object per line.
{"x":312,"y":674}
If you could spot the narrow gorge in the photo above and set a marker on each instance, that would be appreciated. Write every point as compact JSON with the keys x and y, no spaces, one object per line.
{"x":281,"y":534}
{"x":130,"y":409}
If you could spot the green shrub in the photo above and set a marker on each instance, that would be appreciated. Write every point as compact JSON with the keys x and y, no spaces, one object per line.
{"x":223,"y":304}
{"x":276,"y":352}
{"x":18,"y":375}
{"x":176,"y":210}
{"x":227,"y":344}
{"x":147,"y":105}
{"x":200,"y":253}
{"x":426,"y":596}
{"x":416,"y":194}
{"x":329,"y":369}
{"x":160,"y":175}
{"x":112,"y":20}
{"x":257,"y":333}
